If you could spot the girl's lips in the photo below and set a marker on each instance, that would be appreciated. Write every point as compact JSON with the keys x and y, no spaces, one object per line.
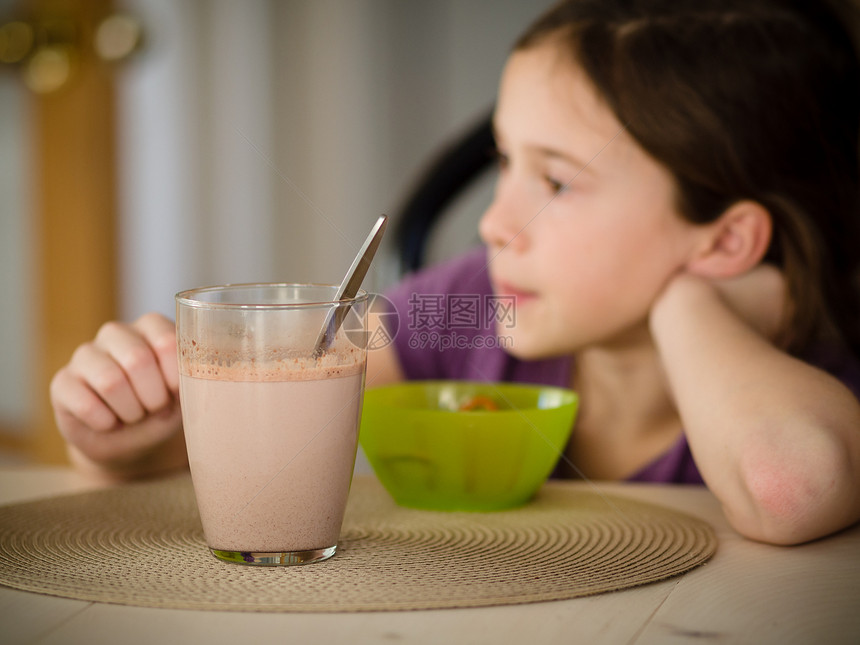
{"x":506,"y":289}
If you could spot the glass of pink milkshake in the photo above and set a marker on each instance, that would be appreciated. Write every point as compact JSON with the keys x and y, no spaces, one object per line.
{"x":271,"y":426}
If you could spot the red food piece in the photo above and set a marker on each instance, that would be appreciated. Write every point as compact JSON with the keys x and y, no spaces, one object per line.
{"x":479,"y":402}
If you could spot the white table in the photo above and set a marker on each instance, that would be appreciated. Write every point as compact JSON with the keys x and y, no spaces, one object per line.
{"x":748,"y":593}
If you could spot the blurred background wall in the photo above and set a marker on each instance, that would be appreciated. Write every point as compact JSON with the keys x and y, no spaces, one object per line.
{"x":228,"y":141}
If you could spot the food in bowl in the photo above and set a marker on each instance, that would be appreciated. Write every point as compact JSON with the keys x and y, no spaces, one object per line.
{"x":465,"y":446}
{"x":479,"y":402}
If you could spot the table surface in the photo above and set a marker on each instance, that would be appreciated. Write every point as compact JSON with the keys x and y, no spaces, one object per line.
{"x":747,"y":593}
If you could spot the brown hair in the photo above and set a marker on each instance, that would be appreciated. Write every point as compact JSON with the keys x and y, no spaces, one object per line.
{"x":742,"y":99}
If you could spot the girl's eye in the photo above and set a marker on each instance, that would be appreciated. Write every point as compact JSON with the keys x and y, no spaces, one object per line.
{"x":555,"y":185}
{"x":501,"y":159}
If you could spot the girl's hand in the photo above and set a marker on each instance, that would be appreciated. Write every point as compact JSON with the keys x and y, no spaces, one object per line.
{"x":116,"y":402}
{"x":758,"y":297}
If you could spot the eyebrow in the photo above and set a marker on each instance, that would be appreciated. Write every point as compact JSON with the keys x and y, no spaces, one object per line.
{"x":554,"y":153}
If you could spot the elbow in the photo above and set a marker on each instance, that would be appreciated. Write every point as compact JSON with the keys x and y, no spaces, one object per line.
{"x":796,"y":498}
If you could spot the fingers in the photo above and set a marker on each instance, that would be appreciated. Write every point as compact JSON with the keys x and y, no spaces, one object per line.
{"x":160,"y":335}
{"x":76,"y":405}
{"x":105,"y":375}
{"x":127,"y":446}
{"x":130,"y":369}
{"x":115,"y":402}
{"x":124,"y":371}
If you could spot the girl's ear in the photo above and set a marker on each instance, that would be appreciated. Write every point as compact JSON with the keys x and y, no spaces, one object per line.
{"x":733,"y":244}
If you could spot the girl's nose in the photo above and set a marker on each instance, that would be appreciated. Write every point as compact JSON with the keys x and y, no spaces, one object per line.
{"x":501,"y":226}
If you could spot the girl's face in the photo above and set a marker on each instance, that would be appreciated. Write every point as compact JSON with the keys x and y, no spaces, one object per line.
{"x":583,"y":229}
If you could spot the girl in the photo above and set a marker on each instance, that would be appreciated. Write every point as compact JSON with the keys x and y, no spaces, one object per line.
{"x":676,"y":223}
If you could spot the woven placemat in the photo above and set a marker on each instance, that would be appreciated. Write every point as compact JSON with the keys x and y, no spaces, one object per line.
{"x":142,"y":544}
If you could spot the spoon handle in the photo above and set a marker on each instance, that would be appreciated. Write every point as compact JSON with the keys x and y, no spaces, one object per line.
{"x":350,"y":285}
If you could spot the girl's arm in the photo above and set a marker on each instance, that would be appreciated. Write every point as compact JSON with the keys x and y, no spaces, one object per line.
{"x":776,"y":440}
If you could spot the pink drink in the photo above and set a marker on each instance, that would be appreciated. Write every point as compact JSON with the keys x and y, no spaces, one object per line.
{"x":271,"y":396}
{"x":272,"y":449}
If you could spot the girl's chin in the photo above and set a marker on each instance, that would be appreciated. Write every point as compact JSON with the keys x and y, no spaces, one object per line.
{"x":526,"y":347}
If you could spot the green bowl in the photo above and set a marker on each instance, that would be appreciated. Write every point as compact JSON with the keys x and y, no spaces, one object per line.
{"x":430,"y":453}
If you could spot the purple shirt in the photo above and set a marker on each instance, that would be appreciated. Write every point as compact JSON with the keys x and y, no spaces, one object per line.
{"x":447,"y":330}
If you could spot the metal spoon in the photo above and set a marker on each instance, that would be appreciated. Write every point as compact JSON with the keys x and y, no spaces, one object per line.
{"x":350,"y":285}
